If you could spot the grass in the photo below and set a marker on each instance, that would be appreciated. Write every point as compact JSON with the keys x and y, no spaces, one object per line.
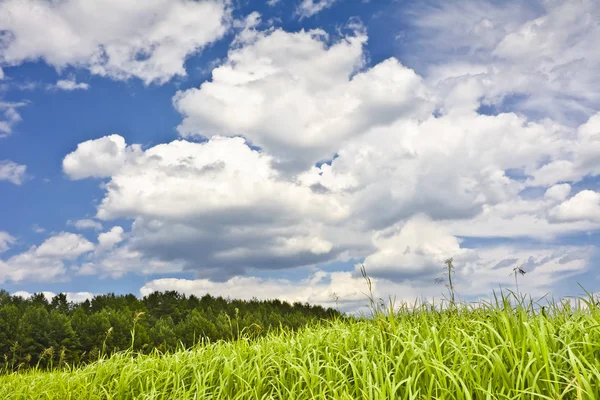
{"x":492,"y":351}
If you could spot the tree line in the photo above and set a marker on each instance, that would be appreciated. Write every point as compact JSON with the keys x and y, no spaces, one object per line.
{"x":35,"y":332}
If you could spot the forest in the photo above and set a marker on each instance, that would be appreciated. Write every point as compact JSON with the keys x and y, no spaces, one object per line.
{"x":35,"y":332}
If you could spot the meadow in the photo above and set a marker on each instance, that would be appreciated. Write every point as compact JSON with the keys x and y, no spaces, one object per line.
{"x":510,"y":348}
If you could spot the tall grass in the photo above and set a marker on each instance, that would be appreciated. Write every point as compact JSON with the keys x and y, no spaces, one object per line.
{"x":499,"y":350}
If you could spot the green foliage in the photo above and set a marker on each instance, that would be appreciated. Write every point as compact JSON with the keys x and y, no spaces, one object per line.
{"x":505,"y":350}
{"x":56,"y":334}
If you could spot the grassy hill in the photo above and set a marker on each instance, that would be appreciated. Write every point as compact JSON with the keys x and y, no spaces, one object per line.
{"x":493,"y":351}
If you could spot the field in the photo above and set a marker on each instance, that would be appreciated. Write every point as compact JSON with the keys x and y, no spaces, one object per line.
{"x":492,"y":351}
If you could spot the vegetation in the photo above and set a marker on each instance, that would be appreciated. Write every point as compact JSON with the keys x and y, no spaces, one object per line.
{"x":493,"y":351}
{"x":42,"y":334}
{"x":508,"y":349}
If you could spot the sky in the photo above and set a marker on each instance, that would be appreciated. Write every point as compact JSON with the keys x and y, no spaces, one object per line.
{"x":270,"y":148}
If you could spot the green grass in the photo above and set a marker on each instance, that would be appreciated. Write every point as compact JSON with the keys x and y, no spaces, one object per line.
{"x":487,"y":352}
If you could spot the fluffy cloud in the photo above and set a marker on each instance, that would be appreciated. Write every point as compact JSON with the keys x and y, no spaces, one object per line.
{"x":45,"y":262}
{"x":119,"y":39}
{"x":12,"y":172}
{"x":82,"y":224}
{"x":473,"y":279}
{"x":415,"y":249}
{"x":580,"y":158}
{"x":585,"y":205}
{"x":108,"y":240}
{"x":98,"y":158}
{"x":452,"y":167}
{"x":414,"y":167}
{"x":308,"y":8}
{"x":298,"y":97}
{"x":530,"y":56}
{"x":217,"y":206}
{"x":70,"y":85}
{"x":64,"y":246}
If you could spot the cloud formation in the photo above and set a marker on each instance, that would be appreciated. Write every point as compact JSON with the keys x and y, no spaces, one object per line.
{"x":9,"y":116}
{"x":308,"y":8}
{"x":118,"y":39}
{"x":70,"y":85}
{"x":46,"y":262}
{"x":300,"y":95}
{"x":12,"y":172}
{"x":537,"y":56}
{"x":218,"y":206}
{"x":414,"y":165}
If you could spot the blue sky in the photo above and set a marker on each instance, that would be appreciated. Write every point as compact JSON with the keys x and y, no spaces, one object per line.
{"x":268,"y":148}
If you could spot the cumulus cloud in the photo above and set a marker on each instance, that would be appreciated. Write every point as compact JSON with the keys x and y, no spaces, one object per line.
{"x":416,"y":251}
{"x":534,"y":56}
{"x":218,"y":206}
{"x":82,"y":224}
{"x":45,"y":262}
{"x":585,"y":206}
{"x":413,"y":166}
{"x":98,"y":158}
{"x":475,"y":278}
{"x":108,"y":240}
{"x":12,"y":172}
{"x":64,"y":246}
{"x":578,"y":159}
{"x":298,"y":96}
{"x":452,"y":167}
{"x":416,"y":248}
{"x":118,"y":39}
{"x":308,"y":8}
{"x":70,"y":85}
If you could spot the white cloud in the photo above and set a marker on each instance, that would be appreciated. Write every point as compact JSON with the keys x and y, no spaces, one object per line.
{"x":318,"y":288}
{"x":217,"y":206}
{"x":107,"y":240}
{"x":64,"y":246}
{"x":1,"y":74}
{"x":98,"y":158}
{"x":118,"y":39}
{"x":532,"y":49}
{"x":415,"y":248}
{"x":12,"y":172}
{"x":82,"y":224}
{"x":6,"y":241}
{"x":298,"y":97}
{"x":220,"y":208}
{"x":585,"y":206}
{"x":578,"y":159}
{"x":447,"y":167}
{"x":45,"y":262}
{"x":70,"y":85}
{"x":558,"y":192}
{"x":9,"y":117}
{"x":473,"y":278}
{"x":308,"y":8}
{"x":75,"y":297}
